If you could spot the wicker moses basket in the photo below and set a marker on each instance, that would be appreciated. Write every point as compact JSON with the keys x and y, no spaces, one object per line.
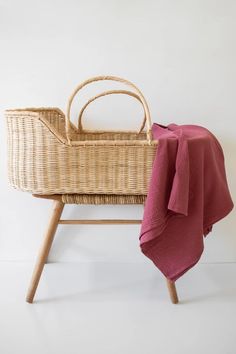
{"x":51,"y":158}
{"x":47,"y":154}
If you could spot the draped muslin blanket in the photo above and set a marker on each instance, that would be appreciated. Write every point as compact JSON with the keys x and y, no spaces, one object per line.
{"x":188,"y":193}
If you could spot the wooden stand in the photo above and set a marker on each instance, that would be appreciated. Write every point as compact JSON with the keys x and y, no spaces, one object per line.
{"x":49,"y":236}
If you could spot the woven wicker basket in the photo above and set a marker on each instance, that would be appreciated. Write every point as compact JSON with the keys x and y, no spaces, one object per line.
{"x":47,"y":154}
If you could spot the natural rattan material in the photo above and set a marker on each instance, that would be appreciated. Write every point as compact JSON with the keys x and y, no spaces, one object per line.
{"x":44,"y":159}
{"x":111,"y":78}
{"x":111,"y":92}
{"x":102,"y":199}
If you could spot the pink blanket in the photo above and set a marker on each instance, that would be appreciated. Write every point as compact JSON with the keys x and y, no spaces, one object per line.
{"x":188,"y":193}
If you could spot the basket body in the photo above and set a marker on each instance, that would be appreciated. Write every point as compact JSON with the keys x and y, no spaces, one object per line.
{"x":41,"y":161}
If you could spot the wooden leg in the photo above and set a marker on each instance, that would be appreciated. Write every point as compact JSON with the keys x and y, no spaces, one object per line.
{"x":172,"y":291}
{"x":45,"y":248}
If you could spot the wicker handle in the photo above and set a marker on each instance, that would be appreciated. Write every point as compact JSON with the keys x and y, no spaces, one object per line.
{"x":105,"y":93}
{"x":111,"y":78}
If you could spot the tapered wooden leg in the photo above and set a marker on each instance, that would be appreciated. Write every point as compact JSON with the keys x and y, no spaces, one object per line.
{"x":172,"y":291}
{"x":45,"y":248}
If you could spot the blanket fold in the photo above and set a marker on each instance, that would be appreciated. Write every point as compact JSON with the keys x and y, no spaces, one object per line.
{"x":188,"y":193}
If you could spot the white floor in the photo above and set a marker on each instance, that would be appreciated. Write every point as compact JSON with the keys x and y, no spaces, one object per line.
{"x":117,"y":308}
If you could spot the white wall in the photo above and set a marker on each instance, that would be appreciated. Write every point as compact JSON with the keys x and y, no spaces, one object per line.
{"x":181,"y":53}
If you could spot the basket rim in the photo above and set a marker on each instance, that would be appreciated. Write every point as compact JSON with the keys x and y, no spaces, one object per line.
{"x":35,"y":112}
{"x":34,"y":109}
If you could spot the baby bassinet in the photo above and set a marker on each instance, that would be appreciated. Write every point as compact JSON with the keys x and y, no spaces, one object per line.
{"x":53,"y":159}
{"x":47,"y":154}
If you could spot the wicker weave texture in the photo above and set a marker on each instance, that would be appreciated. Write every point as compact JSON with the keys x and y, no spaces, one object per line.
{"x":42,"y":160}
{"x":100,"y":199}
